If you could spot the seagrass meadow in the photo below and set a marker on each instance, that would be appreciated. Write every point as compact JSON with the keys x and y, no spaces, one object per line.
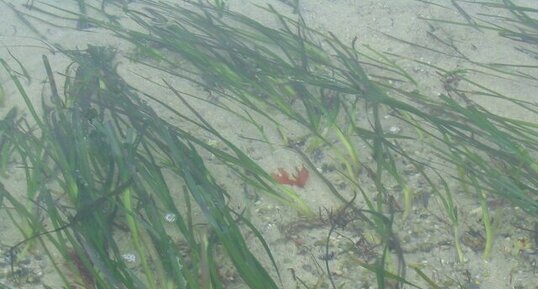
{"x":268,"y":144}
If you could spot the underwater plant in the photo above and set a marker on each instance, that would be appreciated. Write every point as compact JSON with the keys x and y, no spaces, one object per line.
{"x":107,"y":150}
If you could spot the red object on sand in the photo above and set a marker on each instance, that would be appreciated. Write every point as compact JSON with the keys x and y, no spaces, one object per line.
{"x":298,"y":179}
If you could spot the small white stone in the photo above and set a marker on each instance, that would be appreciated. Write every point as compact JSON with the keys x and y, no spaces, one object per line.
{"x":170,"y":217}
{"x":129,"y":257}
{"x":395,"y":129}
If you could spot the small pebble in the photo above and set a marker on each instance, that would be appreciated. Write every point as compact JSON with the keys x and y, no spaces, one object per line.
{"x":170,"y":217}
{"x":129,"y":257}
{"x":395,"y":129}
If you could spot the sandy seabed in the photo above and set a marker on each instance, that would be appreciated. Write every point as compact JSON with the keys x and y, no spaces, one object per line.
{"x":298,"y":244}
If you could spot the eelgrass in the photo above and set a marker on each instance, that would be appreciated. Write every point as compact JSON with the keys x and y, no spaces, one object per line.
{"x":297,"y":76}
{"x":100,"y":159}
{"x":264,"y":70}
{"x":512,"y":169}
